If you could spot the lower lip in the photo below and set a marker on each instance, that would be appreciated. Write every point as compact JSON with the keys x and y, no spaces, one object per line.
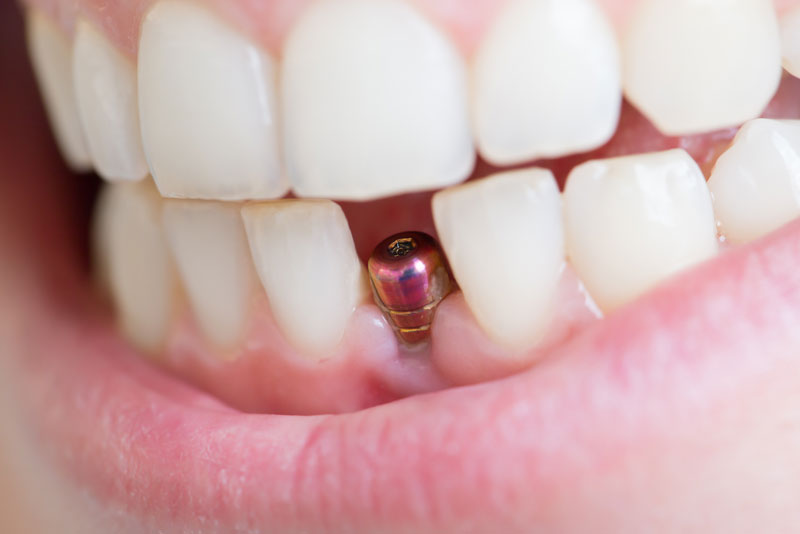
{"x":153,"y":447}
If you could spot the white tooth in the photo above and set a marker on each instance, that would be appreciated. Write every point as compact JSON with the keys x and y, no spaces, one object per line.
{"x":697,"y":65}
{"x":790,"y":40}
{"x":546,"y":81}
{"x":51,"y":56}
{"x":140,"y":271}
{"x":105,"y":89}
{"x":504,"y":239}
{"x":374,"y":101}
{"x":631,"y":222}
{"x":212,"y":255}
{"x":756,"y":183}
{"x":306,"y":260}
{"x":207,"y":107}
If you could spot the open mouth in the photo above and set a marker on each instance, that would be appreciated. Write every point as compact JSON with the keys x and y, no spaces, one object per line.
{"x":611,"y":209}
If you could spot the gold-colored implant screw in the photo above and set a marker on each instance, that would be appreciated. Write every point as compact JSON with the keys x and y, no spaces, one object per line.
{"x":409,"y":278}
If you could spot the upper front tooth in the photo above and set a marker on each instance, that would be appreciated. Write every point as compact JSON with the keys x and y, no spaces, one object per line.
{"x":790,"y":40}
{"x":206,"y":102}
{"x":756,"y":183}
{"x":212,"y":256}
{"x":306,"y":260}
{"x":105,"y":88}
{"x":698,"y":65}
{"x":632,"y":221}
{"x":51,"y":56}
{"x":140,"y":274}
{"x":374,"y":102}
{"x":546,"y":81}
{"x":504,"y":239}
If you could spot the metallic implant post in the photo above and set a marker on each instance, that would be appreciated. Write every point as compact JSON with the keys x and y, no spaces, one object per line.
{"x":409,"y":278}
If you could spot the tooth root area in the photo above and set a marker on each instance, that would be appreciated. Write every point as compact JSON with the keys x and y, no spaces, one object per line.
{"x":207,"y":107}
{"x":504,"y":239}
{"x":546,"y":81}
{"x":105,"y":90}
{"x":374,"y":102}
{"x":51,"y":56}
{"x":306,"y":260}
{"x":756,"y":183}
{"x":136,"y":262}
{"x":790,"y":41}
{"x":631,"y":222}
{"x":695,"y":66}
{"x":209,"y":245}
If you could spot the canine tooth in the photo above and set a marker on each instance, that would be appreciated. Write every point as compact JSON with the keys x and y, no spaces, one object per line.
{"x":51,"y":56}
{"x":632,"y":221}
{"x":306,"y":260}
{"x":546,"y":81}
{"x":211,"y":253}
{"x":756,"y":183}
{"x":374,"y":102}
{"x":105,"y":90}
{"x":790,"y":41}
{"x":206,"y":102}
{"x":141,"y":275}
{"x":696,"y":65}
{"x":504,"y":238}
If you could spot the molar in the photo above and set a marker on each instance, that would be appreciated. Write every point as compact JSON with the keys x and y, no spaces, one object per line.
{"x":207,"y":107}
{"x":693,"y":66}
{"x":374,"y":102}
{"x":51,"y":56}
{"x":105,"y":89}
{"x":504,"y":240}
{"x":756,"y":182}
{"x":633,"y":221}
{"x":790,"y":41}
{"x":210,"y":250}
{"x":546,"y":81}
{"x":305,"y":257}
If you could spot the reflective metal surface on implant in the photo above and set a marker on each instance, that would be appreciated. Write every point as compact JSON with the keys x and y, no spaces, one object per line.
{"x":409,"y":278}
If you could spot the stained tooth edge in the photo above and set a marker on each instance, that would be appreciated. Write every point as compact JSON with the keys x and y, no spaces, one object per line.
{"x":306,"y":260}
{"x":504,"y":240}
{"x":633,"y":221}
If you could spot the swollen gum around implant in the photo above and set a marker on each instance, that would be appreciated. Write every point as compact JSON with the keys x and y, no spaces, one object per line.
{"x":409,"y":278}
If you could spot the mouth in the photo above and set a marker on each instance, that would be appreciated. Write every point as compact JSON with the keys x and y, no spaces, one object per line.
{"x":199,"y":347}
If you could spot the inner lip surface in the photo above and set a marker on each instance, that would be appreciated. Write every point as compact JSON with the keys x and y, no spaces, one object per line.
{"x":148,"y":444}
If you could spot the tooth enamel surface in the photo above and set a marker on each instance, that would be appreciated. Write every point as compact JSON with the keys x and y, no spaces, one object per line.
{"x":374,"y":102}
{"x":105,"y":89}
{"x":504,"y":239}
{"x":756,"y":183}
{"x":51,"y":56}
{"x":546,"y":81}
{"x":210,"y":249}
{"x":306,"y":260}
{"x":630,"y":222}
{"x":141,"y":275}
{"x":697,"y":65}
{"x":790,"y":40}
{"x":206,"y":102}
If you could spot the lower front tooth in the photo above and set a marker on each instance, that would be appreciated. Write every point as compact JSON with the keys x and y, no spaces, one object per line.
{"x":504,"y":239}
{"x":105,"y":89}
{"x":756,"y":183}
{"x":306,"y":260}
{"x":51,"y":56}
{"x":141,"y":275}
{"x":790,"y":41}
{"x":212,"y":256}
{"x":633,"y":221}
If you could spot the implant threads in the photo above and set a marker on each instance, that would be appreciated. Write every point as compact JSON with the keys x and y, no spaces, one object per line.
{"x":409,"y":279}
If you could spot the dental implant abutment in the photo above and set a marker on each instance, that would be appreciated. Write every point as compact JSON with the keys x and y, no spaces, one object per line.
{"x":409,"y":278}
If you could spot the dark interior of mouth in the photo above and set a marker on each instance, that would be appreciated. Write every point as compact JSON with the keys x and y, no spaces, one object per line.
{"x":36,"y":208}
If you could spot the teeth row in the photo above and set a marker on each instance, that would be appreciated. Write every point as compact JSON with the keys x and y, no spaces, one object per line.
{"x":372,"y":99}
{"x":625,"y":224}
